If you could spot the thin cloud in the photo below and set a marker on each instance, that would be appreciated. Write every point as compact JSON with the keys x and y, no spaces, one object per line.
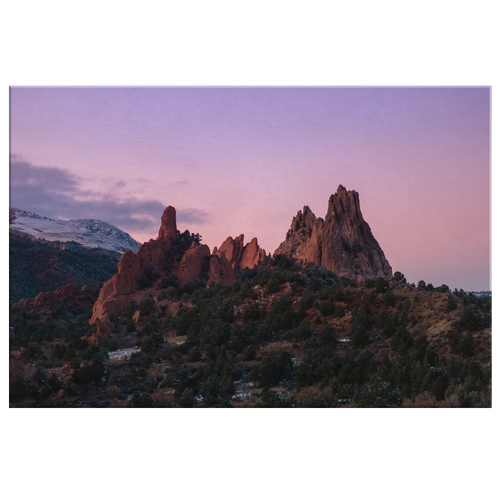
{"x":192,"y":215}
{"x":55,"y":192}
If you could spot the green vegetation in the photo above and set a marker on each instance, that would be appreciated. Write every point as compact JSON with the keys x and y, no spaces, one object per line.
{"x":283,"y":336}
{"x":41,"y":266}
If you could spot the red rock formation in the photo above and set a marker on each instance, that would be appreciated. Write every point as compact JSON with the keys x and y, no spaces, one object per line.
{"x":115,"y":292}
{"x":168,"y":227}
{"x":191,"y":265}
{"x":221,"y":271}
{"x":239,"y":256}
{"x":342,"y":243}
{"x":252,"y":255}
{"x":232,"y":250}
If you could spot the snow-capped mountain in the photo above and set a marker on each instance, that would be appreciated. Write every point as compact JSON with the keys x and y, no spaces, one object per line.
{"x":87,"y":232}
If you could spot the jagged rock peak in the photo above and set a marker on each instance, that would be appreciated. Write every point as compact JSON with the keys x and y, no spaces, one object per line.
{"x":343,"y":242}
{"x":239,"y":255}
{"x":344,"y":201}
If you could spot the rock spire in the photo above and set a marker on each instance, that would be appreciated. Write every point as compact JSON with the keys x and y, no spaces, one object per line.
{"x":342,"y":243}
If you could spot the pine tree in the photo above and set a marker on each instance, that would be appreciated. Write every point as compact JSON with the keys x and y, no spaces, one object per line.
{"x":186,"y":399}
{"x":359,"y":335}
{"x":438,"y":389}
{"x":466,"y":345}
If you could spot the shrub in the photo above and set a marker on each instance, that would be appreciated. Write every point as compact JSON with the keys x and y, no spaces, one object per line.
{"x":151,"y":326}
{"x":381,"y":285}
{"x":143,"y":282}
{"x":399,"y":277}
{"x":359,"y":335}
{"x":249,"y":353}
{"x":141,"y":400}
{"x":339,"y":312}
{"x":186,"y":399}
{"x":211,"y":388}
{"x":469,"y":318}
{"x":326,"y":308}
{"x":389,"y":298}
{"x":273,"y":286}
{"x":377,"y":394}
{"x":327,"y":336}
{"x":152,"y":344}
{"x":274,"y":368}
{"x":307,"y":300}
{"x":466,"y":345}
{"x":291,"y":319}
{"x":90,"y":373}
{"x":401,"y":341}
{"x":369,"y":283}
{"x":454,"y":338}
{"x":147,"y":305}
{"x":304,"y":332}
{"x":112,"y":345}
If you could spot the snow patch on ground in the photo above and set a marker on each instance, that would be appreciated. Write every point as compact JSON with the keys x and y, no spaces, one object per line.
{"x":123,"y":353}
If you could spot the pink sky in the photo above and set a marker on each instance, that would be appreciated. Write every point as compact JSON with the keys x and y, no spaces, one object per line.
{"x":245,"y":160}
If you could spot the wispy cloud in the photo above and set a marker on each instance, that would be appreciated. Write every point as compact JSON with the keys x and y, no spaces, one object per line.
{"x":55,"y":192}
{"x":192,"y":215}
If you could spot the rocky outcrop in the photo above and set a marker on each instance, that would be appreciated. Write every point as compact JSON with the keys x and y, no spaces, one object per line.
{"x":232,"y":250}
{"x":252,"y":255}
{"x":168,"y":226}
{"x":342,"y":243}
{"x":240,"y":256}
{"x":221,"y":271}
{"x":115,"y":293}
{"x":46,"y":299}
{"x":191,"y":265}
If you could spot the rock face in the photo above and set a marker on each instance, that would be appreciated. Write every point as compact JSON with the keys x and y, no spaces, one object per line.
{"x":231,"y":250}
{"x":342,"y":243}
{"x":238,"y":255}
{"x":159,"y":257}
{"x":252,"y":255}
{"x":221,"y":271}
{"x":168,"y":227}
{"x":116,"y":292}
{"x":191,"y":265}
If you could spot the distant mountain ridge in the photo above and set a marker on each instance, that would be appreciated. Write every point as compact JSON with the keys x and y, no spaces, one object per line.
{"x":89,"y":233}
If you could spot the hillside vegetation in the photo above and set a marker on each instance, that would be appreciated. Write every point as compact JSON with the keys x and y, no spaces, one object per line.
{"x":41,"y":266}
{"x":282,"y":336}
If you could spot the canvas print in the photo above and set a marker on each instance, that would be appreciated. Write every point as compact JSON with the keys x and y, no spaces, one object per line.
{"x":250,"y":247}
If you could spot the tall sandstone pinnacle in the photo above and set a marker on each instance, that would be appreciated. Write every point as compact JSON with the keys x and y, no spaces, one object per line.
{"x":342,"y":243}
{"x":115,"y":292}
{"x":221,"y":267}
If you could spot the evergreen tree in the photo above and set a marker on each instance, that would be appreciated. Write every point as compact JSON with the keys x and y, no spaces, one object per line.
{"x":388,"y":329}
{"x":438,"y":389}
{"x":451,"y":304}
{"x":186,"y":399}
{"x":420,"y":346}
{"x":466,"y":345}
{"x":385,"y":369}
{"x":474,"y":369}
{"x":359,"y":336}
{"x":382,"y":317}
{"x":377,"y":394}
{"x":211,"y":388}
{"x":401,"y":341}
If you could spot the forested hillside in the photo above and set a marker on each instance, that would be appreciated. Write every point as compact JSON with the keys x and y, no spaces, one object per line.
{"x":39,"y":266}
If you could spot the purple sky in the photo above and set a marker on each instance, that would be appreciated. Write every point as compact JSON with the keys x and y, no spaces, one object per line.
{"x":245,"y":160}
